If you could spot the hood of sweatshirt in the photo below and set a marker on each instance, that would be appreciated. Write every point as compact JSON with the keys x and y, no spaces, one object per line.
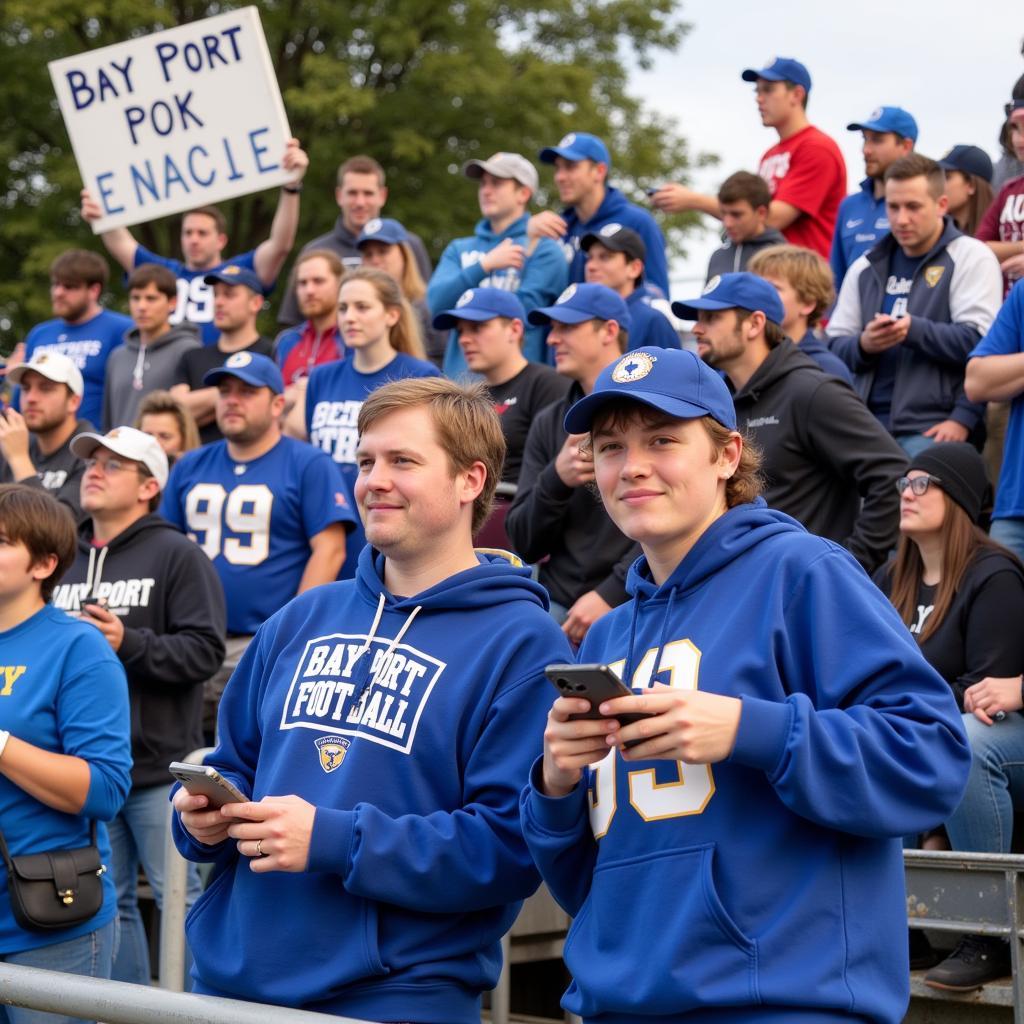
{"x":783,"y":360}
{"x":179,"y":332}
{"x":490,"y":238}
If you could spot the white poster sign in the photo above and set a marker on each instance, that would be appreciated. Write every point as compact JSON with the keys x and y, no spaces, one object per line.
{"x":176,"y":119}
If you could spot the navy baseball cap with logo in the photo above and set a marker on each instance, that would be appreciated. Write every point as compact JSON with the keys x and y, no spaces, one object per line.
{"x":673,"y":381}
{"x":257,"y":371}
{"x":618,"y":239}
{"x":887,"y":119}
{"x":235,"y":274}
{"x":780,"y":69}
{"x":735,"y":291}
{"x":382,"y":229}
{"x":968,"y":160}
{"x":480,"y":304}
{"x":582,"y":302}
{"x":577,"y":146}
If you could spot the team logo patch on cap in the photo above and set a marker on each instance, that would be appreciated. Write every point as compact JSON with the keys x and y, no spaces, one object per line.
{"x":712,"y":284}
{"x":238,"y":359}
{"x":567,"y":140}
{"x":43,"y":357}
{"x":566,"y":295}
{"x":332,"y":751}
{"x":633,"y":367}
{"x":373,"y":226}
{"x":875,"y":114}
{"x":933,"y":275}
{"x":610,"y":229}
{"x":465,"y":298}
{"x":114,"y":434}
{"x":232,"y":270}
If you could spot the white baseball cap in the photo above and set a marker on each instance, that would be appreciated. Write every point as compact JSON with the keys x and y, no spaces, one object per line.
{"x":53,"y":366}
{"x":129,"y":443}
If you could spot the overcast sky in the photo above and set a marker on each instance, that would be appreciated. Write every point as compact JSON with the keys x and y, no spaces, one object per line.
{"x":952,"y":66}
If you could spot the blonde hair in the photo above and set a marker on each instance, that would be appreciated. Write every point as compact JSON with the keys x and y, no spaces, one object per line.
{"x":806,"y":272}
{"x":412,"y":284}
{"x":157,"y":403}
{"x":405,"y":336}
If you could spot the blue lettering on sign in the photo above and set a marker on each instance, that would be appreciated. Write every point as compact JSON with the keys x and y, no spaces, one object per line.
{"x":201,"y":56}
{"x":162,"y":117}
{"x":258,"y":151}
{"x":84,"y":94}
{"x":104,"y":191}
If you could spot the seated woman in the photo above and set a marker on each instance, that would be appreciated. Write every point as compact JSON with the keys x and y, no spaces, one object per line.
{"x":167,"y":419}
{"x":968,"y":186}
{"x":962,"y":596}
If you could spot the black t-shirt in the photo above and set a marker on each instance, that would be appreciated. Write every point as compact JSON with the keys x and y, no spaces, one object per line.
{"x":981,"y":633}
{"x":517,"y":401}
{"x":196,"y":362}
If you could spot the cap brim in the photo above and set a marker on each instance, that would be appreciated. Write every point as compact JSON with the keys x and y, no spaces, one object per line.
{"x":449,"y":318}
{"x":551,"y":153}
{"x":580,"y":417}
{"x":559,"y":314}
{"x":689,"y":310}
{"x":753,"y":74}
{"x":218,"y":373}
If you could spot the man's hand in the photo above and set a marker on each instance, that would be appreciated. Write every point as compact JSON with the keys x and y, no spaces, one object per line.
{"x":14,"y":437}
{"x":948,"y":430}
{"x":883,"y":332}
{"x":993,"y":695}
{"x":275,"y":832}
{"x":206,"y":826}
{"x":675,"y":198}
{"x":583,"y":614}
{"x":109,"y":624}
{"x":546,"y":224}
{"x":295,"y":160}
{"x":688,"y":725}
{"x":570,"y":746}
{"x":90,"y":209}
{"x":573,"y":464}
{"x":1013,"y":268}
{"x":504,"y":255}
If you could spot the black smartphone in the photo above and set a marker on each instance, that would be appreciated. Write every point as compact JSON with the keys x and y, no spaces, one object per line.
{"x":596,"y":683}
{"x":199,"y":779}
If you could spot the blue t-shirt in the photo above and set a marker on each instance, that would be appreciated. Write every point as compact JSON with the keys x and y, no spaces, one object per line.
{"x":195,"y":296}
{"x":334,"y":396}
{"x":255,"y":519}
{"x":894,"y":302}
{"x":1006,"y":337}
{"x":87,"y":345}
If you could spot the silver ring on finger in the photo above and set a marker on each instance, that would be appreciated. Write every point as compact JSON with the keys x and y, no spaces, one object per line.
{"x":259,"y":847}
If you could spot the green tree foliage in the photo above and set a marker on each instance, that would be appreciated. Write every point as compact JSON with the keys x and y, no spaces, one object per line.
{"x":420,"y":85}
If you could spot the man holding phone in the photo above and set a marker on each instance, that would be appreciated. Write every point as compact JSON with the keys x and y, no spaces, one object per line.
{"x":912,"y":308}
{"x":382,"y":727}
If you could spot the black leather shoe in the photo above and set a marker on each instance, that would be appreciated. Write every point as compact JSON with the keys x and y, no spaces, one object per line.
{"x":977,"y":960}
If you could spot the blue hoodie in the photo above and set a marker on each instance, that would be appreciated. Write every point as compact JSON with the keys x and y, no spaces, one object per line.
{"x":773,"y":879}
{"x":410,"y":723}
{"x":539,"y":283}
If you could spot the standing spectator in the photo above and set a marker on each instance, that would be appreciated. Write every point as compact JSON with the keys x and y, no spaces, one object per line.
{"x":889,"y":133}
{"x":64,"y":746}
{"x":268,"y":511}
{"x":83,"y":330}
{"x":556,"y":517}
{"x":805,"y":171}
{"x":743,"y":205}
{"x":827,"y":461}
{"x":1002,"y":227}
{"x":237,"y":301}
{"x":911,"y":310}
{"x":803,"y":280}
{"x":499,"y":253}
{"x":148,"y":360}
{"x":615,"y":258}
{"x":203,"y":241}
{"x":582,"y":166}
{"x":36,"y":443}
{"x":962,"y":596}
{"x":360,"y":192}
{"x":163,"y":416}
{"x":968,"y":186}
{"x":157,"y":601}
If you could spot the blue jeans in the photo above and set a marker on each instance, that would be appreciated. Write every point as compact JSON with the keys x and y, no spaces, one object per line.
{"x":90,"y":955}
{"x":139,"y":833}
{"x":983,"y":823}
{"x":1010,"y":533}
{"x":913,"y":444}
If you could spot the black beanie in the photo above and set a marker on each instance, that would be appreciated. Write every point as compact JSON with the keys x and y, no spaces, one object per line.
{"x":958,"y":465}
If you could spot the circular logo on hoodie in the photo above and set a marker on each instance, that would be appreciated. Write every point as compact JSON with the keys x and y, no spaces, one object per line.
{"x":633,"y":367}
{"x":465,"y":298}
{"x":238,"y":359}
{"x":373,"y":226}
{"x":566,"y":295}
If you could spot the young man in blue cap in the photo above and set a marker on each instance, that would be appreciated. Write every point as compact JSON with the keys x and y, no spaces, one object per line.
{"x":555,"y":514}
{"x":805,"y":171}
{"x":499,"y":254}
{"x":827,"y":461}
{"x":889,"y":133}
{"x":582,"y":165}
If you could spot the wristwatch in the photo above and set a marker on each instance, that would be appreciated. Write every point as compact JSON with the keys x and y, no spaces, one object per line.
{"x":292,"y":190}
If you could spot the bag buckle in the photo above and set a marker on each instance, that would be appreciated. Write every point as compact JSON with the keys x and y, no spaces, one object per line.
{"x":67,"y":896}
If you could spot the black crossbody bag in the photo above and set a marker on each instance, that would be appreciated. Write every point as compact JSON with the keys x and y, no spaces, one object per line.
{"x":56,"y":888}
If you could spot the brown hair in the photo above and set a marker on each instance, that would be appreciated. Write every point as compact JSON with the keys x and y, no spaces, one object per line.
{"x":977,"y":203}
{"x":405,"y":336}
{"x":916,"y":165}
{"x":744,"y":186}
{"x":79,"y":266}
{"x":334,"y":264}
{"x":33,"y":517}
{"x":806,"y":272}
{"x":158,"y":403}
{"x":468,"y":428}
{"x":214,"y":213}
{"x":154,"y":274}
{"x":773,"y":332}
{"x":361,"y":165}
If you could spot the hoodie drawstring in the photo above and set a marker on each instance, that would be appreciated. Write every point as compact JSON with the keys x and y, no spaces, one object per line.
{"x":628,"y":668}
{"x":140,"y":368}
{"x":392,"y":644}
{"x":94,"y":574}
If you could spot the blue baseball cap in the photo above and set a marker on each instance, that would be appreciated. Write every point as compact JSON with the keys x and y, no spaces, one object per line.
{"x":735,"y":291}
{"x":382,"y":229}
{"x":781,"y":69}
{"x":673,"y":381}
{"x":577,"y":146}
{"x":968,"y":160}
{"x":581,"y":302}
{"x":256,"y":370}
{"x":481,"y":304}
{"x":887,"y":119}
{"x":234,"y":274}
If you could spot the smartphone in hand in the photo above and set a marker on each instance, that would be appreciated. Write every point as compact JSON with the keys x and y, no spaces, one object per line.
{"x":596,"y":683}
{"x":201,"y":780}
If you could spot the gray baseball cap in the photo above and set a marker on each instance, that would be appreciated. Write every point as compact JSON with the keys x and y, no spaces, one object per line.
{"x":504,"y":165}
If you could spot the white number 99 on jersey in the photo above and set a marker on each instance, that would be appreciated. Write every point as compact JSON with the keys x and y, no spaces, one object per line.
{"x":210,"y":511}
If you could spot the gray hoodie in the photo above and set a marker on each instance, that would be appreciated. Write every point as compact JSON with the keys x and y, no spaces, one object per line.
{"x":732,"y":258}
{"x":133,"y":371}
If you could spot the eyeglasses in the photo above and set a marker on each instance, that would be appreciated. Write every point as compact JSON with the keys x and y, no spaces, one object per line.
{"x":918,"y":485}
{"x":109,"y":466}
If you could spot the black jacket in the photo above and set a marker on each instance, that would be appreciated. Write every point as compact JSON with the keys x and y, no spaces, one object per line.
{"x":823,"y":453}
{"x":569,"y":525}
{"x":169,"y":597}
